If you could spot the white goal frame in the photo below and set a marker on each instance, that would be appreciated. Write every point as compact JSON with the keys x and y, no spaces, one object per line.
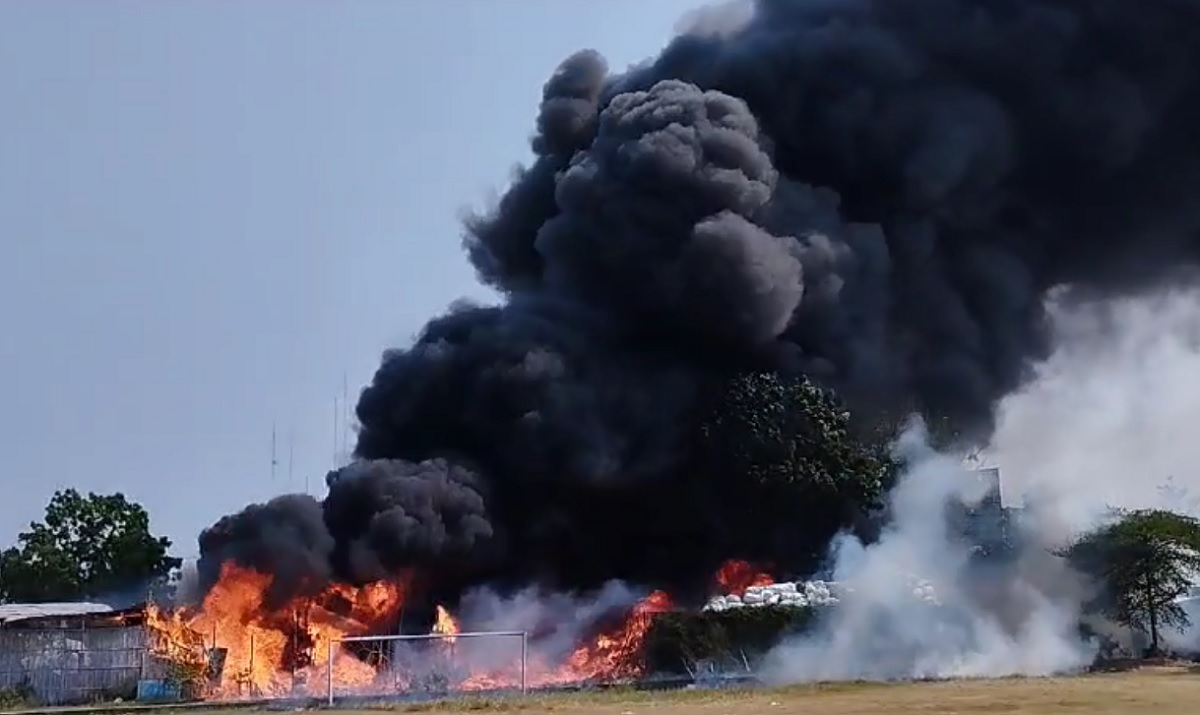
{"x":336,"y":643}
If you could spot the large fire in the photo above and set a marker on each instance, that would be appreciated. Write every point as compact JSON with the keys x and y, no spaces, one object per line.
{"x":236,"y":646}
{"x":272,"y":651}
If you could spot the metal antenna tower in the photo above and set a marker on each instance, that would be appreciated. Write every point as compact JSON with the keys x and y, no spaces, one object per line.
{"x":291,"y":455}
{"x":346,"y":414}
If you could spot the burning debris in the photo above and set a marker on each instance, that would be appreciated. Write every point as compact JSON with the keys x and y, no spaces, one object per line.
{"x":237,"y":644}
{"x":263,"y":649}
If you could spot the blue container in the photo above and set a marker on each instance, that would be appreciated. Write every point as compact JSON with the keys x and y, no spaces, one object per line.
{"x":157,"y":691}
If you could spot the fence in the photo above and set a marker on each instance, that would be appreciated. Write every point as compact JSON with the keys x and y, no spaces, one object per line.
{"x":59,"y":666}
{"x":430,"y":664}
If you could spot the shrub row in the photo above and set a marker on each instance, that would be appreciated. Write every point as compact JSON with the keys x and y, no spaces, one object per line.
{"x":679,"y":642}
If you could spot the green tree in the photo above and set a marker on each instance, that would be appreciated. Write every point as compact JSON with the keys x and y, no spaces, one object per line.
{"x":789,"y":448}
{"x":1143,"y":561}
{"x":781,"y":431}
{"x":85,"y":547}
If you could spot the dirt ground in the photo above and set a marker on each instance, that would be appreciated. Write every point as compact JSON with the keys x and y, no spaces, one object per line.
{"x":1162,"y":691}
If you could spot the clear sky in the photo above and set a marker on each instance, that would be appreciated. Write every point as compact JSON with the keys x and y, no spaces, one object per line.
{"x":212,"y":211}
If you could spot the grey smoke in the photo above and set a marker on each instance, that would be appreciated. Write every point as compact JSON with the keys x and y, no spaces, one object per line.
{"x":558,"y":622}
{"x":881,"y":631}
{"x":1105,"y":422}
{"x":545,"y":626}
{"x":1108,"y":420}
{"x":716,"y":20}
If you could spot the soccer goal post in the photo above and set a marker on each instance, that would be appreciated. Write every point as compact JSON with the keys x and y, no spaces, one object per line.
{"x":388,"y":644}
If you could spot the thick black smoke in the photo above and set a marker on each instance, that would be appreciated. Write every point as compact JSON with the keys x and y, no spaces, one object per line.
{"x":285,"y":537}
{"x":875,"y":193}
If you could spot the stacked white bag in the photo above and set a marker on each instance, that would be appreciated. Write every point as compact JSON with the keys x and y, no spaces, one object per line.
{"x":801,"y":594}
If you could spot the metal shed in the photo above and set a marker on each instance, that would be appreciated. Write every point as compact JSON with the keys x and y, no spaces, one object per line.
{"x":71,"y":652}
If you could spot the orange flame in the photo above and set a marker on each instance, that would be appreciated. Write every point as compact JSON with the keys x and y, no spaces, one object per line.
{"x":271,"y":651}
{"x":735,"y":576}
{"x":445,"y":624}
{"x":614,"y":655}
{"x":618,"y":654}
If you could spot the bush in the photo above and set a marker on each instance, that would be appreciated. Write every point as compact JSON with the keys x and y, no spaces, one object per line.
{"x":188,"y":678}
{"x":677,"y":642}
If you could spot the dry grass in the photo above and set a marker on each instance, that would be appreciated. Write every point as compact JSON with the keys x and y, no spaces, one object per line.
{"x":1162,"y":691}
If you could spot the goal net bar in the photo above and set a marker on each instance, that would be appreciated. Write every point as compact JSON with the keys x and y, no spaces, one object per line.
{"x":336,"y":644}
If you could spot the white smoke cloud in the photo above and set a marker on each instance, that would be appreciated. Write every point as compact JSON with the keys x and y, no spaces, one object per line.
{"x":1110,"y":419}
{"x":1107,"y":421}
{"x":186,"y":580}
{"x":881,"y":631}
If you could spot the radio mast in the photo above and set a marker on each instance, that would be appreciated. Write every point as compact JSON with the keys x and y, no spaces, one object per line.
{"x":291,"y":456}
{"x":346,"y":415}
{"x":336,"y":432}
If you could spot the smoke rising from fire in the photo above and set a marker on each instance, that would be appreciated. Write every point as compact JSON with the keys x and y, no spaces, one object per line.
{"x":989,"y":619}
{"x":1106,"y":422}
{"x":879,"y":194}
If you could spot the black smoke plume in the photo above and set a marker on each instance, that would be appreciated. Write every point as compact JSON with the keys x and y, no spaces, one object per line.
{"x":878,"y":194}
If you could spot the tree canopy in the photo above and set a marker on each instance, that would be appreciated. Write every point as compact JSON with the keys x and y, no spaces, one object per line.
{"x":779,"y":430}
{"x":1143,"y":561}
{"x":92,"y":546}
{"x":794,"y":443}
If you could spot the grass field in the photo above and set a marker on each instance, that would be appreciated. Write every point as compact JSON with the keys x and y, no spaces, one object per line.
{"x":1161,"y":691}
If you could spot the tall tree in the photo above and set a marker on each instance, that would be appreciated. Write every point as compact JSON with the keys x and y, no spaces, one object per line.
{"x":85,"y":547}
{"x":1144,"y":561}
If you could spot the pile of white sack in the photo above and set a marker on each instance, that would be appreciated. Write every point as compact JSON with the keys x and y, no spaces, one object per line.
{"x":801,"y":594}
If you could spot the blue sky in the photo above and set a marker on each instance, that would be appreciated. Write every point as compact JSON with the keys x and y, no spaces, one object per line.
{"x":210,"y":212}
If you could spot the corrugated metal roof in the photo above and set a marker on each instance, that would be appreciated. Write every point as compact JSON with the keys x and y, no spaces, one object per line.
{"x":11,"y":612}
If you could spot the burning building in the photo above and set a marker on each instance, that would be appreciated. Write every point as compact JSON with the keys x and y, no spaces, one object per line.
{"x":878,"y":195}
